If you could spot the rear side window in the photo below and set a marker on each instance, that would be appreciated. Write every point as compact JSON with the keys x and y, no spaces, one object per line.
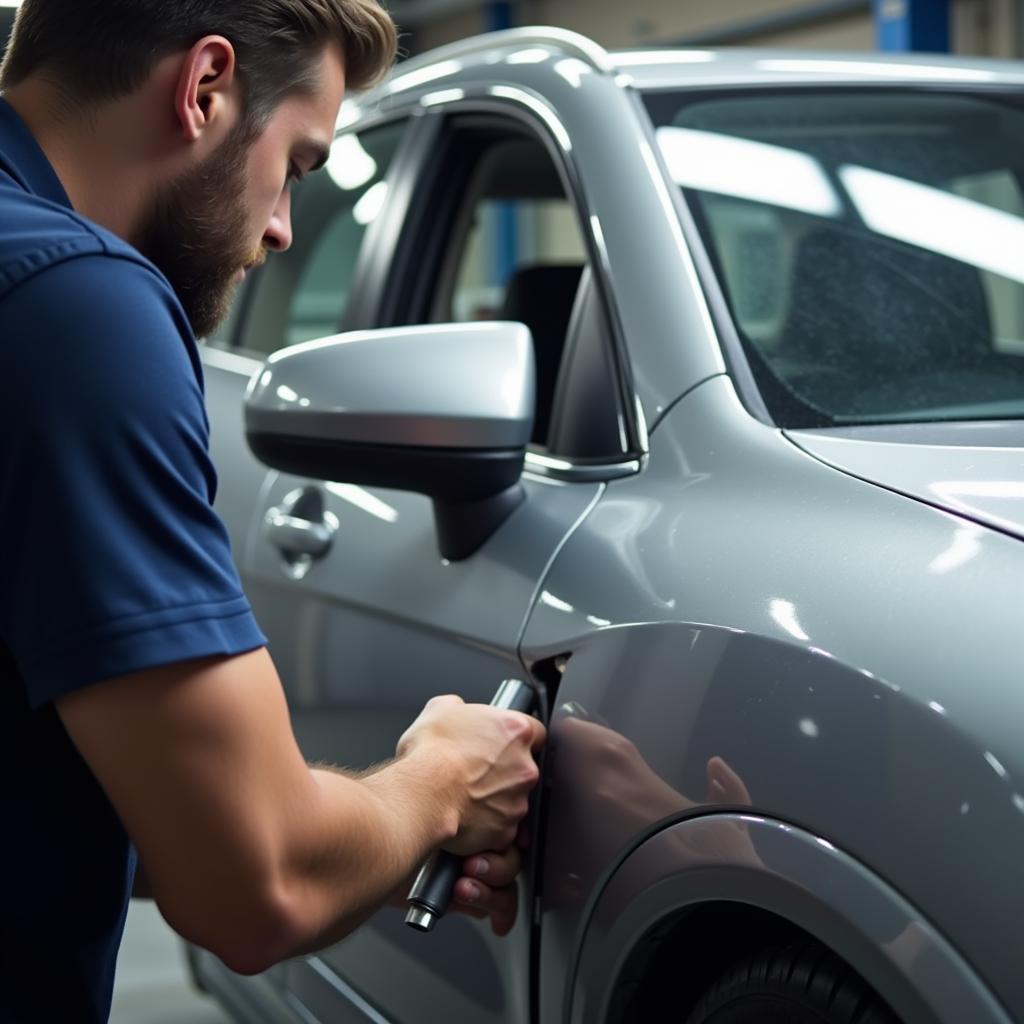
{"x":303,"y":293}
{"x":870,"y":246}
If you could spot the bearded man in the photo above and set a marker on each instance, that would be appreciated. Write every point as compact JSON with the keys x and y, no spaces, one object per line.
{"x":146,"y":152}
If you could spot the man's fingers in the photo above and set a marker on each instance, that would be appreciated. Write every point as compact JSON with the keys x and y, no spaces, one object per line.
{"x":493,"y":868}
{"x":479,"y":900}
{"x":540,"y":734}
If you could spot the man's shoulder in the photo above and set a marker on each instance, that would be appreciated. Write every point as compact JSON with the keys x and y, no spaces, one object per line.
{"x":37,"y":235}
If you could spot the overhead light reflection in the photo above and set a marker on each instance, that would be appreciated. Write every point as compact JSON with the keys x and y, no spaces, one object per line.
{"x":573,"y":71}
{"x":432,"y":99}
{"x":557,"y":603}
{"x":350,"y":113}
{"x":511,"y":392}
{"x":349,"y":165}
{"x":731,"y":166}
{"x":364,"y":500}
{"x":286,"y":394}
{"x":422,"y":76}
{"x":531,"y":55}
{"x":874,"y":69}
{"x":548,"y":462}
{"x":937,"y":220}
{"x":996,"y":765}
{"x":539,"y":107}
{"x":625,"y":60}
{"x":965,"y":545}
{"x":784,"y":613}
{"x":958,"y":494}
{"x":369,"y":206}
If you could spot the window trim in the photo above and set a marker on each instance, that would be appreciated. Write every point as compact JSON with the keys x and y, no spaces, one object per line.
{"x":507,"y":113}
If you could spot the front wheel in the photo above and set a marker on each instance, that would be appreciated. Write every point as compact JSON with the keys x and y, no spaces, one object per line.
{"x":794,"y":984}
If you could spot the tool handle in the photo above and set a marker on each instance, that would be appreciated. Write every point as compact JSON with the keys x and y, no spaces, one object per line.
{"x":432,"y":891}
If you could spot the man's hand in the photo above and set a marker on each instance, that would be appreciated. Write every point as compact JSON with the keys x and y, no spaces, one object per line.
{"x":487,"y":889}
{"x":257,"y":857}
{"x":491,"y":752}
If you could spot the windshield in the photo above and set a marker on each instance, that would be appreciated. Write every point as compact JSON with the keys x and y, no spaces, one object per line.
{"x":870,"y":246}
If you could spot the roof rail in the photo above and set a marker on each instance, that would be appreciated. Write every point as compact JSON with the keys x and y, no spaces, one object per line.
{"x":570,"y":42}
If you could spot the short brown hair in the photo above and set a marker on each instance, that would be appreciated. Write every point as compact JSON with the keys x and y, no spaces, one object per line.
{"x":98,"y":50}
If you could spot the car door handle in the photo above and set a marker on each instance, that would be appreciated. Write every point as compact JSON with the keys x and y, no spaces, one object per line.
{"x":297,"y":536}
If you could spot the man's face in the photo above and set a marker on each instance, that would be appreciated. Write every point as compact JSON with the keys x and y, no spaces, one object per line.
{"x":221,"y":217}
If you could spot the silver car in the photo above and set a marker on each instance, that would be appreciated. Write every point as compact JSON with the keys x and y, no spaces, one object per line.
{"x":687,"y":386}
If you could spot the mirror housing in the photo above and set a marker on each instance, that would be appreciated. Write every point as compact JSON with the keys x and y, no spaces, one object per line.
{"x":445,"y":410}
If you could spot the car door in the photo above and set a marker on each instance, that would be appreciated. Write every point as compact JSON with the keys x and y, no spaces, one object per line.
{"x":301,"y":294}
{"x":365,"y":634}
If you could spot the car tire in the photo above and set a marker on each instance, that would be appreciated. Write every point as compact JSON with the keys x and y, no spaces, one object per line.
{"x":794,"y":984}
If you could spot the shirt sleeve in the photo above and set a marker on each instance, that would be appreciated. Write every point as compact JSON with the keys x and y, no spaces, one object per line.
{"x":113,"y":558}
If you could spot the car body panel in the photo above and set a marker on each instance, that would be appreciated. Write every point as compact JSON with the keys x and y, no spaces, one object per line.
{"x":743,"y":67}
{"x":361,"y":643}
{"x":979,"y":481}
{"x":841,"y":707}
{"x":787,"y":871}
{"x":731,"y":592}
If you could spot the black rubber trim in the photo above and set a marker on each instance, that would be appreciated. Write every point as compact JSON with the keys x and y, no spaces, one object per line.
{"x":447,"y":475}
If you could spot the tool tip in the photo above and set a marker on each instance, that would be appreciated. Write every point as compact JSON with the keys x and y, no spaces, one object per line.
{"x":420,"y":919}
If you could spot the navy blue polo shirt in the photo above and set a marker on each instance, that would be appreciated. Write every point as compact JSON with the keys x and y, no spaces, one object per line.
{"x":112,"y":561}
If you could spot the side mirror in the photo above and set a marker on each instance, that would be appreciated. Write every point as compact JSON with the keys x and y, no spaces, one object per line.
{"x":445,"y":410}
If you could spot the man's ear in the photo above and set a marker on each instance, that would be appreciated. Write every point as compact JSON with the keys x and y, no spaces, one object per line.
{"x":207,"y":95}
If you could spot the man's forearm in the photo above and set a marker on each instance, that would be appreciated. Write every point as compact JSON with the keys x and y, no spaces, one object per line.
{"x":376,"y":828}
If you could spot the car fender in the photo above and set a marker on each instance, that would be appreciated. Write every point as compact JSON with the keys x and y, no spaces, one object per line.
{"x":797,"y":876}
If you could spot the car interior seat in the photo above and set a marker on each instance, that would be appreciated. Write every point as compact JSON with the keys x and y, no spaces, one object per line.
{"x":868,"y":316}
{"x":542,"y":295}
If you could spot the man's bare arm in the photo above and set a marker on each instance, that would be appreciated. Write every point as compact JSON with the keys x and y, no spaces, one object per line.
{"x":248,"y":851}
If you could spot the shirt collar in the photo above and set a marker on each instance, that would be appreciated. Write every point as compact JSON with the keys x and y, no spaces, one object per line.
{"x":23,"y":159}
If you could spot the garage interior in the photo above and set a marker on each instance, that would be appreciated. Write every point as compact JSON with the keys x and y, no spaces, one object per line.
{"x":152,"y":983}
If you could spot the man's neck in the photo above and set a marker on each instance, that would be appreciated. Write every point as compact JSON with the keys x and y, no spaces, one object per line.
{"x":93,"y":164}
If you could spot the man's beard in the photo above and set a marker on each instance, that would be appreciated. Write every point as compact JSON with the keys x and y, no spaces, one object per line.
{"x":195,"y":233}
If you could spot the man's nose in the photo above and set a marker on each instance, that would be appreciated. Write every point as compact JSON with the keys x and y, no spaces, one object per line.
{"x":278,"y":235}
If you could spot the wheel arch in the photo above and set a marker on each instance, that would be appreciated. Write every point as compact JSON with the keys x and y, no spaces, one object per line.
{"x":668,"y":917}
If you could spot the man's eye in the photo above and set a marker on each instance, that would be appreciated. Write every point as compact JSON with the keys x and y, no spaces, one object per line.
{"x":294,"y":174}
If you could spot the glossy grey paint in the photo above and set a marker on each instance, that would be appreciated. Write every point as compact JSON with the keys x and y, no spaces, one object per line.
{"x":767,"y":626}
{"x":361,"y":646}
{"x":239,"y":473}
{"x":736,"y":598}
{"x":978,"y":481}
{"x":743,"y":66}
{"x":345,"y":388}
{"x":787,"y":871}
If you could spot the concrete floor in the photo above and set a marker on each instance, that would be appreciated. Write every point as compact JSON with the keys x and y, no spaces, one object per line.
{"x":151,"y":985}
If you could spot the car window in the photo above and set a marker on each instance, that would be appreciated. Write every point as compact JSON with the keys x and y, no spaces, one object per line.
{"x":870,"y":246}
{"x":302,"y":294}
{"x":506,"y":235}
{"x":512,"y":249}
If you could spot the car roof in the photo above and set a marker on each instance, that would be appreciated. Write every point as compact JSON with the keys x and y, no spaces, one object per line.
{"x":682,"y":67}
{"x":513,"y":54}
